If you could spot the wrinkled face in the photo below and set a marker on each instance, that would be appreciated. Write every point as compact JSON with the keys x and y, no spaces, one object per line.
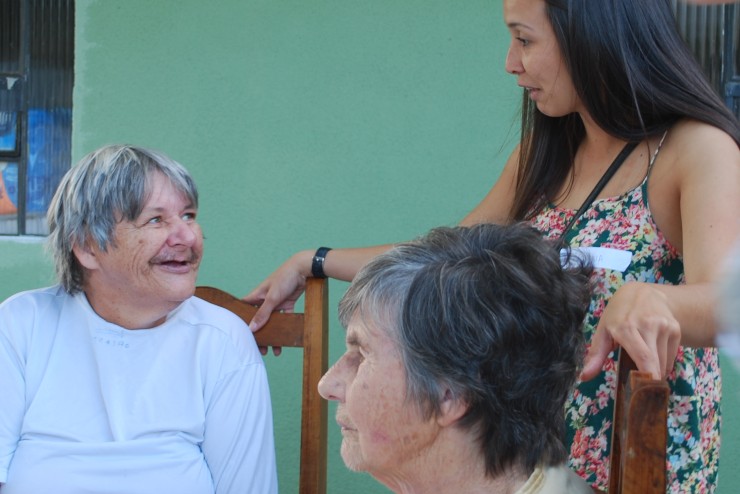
{"x":382,"y":433}
{"x":154,"y":263}
{"x":535,"y":58}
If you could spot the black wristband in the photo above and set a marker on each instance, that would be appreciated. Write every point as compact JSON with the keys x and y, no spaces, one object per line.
{"x":317,"y":265}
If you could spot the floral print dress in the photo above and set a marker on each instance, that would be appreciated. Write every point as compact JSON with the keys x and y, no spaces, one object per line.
{"x":626,"y":223}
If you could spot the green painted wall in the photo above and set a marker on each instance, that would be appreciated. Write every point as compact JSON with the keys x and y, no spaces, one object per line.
{"x":305,"y":123}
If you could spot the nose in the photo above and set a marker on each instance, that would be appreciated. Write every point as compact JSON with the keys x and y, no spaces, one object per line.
{"x":183,"y":232}
{"x":513,"y":61}
{"x":331,"y":388}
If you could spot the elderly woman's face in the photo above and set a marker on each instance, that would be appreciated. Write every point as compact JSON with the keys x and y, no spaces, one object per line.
{"x":383,"y":434}
{"x":155,"y":261}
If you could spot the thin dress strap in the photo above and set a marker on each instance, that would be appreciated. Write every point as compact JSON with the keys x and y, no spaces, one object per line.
{"x":657,"y":150}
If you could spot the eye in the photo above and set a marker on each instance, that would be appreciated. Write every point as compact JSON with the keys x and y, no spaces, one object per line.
{"x":522,"y":41}
{"x":154,"y":220}
{"x":189,"y":216}
{"x":355,"y":358}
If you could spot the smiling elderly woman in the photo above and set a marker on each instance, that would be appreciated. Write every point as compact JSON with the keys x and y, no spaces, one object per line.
{"x":461,"y":350}
{"x":118,"y":379}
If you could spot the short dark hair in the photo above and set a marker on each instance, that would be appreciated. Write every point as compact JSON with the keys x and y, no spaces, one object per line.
{"x":489,"y":314}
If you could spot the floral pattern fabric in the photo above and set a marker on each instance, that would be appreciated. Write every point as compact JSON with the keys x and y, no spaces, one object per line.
{"x":625,"y":223}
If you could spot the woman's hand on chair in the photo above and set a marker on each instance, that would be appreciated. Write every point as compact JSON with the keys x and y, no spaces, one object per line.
{"x":279,"y":291}
{"x":637,"y":318}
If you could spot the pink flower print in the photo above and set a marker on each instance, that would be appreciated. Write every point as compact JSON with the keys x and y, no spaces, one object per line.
{"x":580,"y":442}
{"x":679,"y":410}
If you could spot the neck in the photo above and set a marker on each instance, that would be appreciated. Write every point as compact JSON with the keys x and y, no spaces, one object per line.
{"x":455,"y":468}
{"x":597,"y":138}
{"x":596,"y":152}
{"x":116,"y":310}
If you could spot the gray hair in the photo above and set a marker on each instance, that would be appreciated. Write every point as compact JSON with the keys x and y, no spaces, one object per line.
{"x":489,"y":316}
{"x":109,"y":185}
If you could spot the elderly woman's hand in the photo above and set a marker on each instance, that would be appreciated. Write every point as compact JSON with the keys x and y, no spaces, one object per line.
{"x":638,"y":318}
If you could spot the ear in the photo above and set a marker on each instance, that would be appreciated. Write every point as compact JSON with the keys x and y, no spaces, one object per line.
{"x":451,"y":409}
{"x":86,"y":256}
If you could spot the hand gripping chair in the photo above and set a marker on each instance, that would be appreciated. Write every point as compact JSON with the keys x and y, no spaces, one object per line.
{"x":308,"y":330}
{"x":639,"y":433}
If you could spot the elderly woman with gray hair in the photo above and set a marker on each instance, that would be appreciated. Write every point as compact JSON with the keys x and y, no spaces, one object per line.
{"x":118,"y":380}
{"x":462,"y":348}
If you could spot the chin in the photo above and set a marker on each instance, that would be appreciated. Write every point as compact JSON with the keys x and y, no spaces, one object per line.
{"x":352,"y":458}
{"x":187,"y":294}
{"x":545,"y":112}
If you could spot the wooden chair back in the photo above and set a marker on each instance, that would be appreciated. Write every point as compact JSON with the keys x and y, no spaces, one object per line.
{"x":640,"y":432}
{"x":307,"y":330}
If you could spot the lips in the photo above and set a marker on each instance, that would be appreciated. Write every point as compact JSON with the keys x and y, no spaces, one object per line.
{"x":344,"y":423}
{"x":176,"y":263}
{"x":532,"y":91}
{"x":181,"y":258}
{"x":344,"y":426}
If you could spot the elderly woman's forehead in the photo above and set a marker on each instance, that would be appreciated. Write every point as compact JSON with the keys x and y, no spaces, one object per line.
{"x":364,"y":326}
{"x":157,"y":178}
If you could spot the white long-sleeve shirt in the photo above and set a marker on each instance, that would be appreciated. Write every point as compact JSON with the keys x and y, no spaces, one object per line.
{"x":89,"y":407}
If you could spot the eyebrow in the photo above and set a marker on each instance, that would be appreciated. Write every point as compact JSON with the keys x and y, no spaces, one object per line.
{"x":518,"y":25}
{"x":160,"y":209}
{"x":353,"y":339}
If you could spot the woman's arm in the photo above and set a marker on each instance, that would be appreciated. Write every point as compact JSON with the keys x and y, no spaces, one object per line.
{"x":238,"y":443}
{"x":496,"y":205}
{"x":284,"y":286}
{"x":14,"y":332}
{"x":695,"y":198}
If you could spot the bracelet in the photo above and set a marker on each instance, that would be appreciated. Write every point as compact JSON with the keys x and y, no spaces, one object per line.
{"x":317,"y":265}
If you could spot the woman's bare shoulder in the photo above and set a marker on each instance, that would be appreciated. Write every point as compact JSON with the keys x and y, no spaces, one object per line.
{"x":689,"y":134}
{"x":694,"y":147}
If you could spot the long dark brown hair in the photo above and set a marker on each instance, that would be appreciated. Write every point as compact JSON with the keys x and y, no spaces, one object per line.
{"x":635,"y":76}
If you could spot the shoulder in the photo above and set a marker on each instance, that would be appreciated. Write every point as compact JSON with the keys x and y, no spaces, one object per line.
{"x":557,"y":479}
{"x":694,"y":192}
{"x":697,"y":155}
{"x":220,"y":327}
{"x":29,"y":305}
{"x":208,"y":313}
{"x":560,"y":479}
{"x":31,"y":317}
{"x":691,"y":141}
{"x":39,"y":295}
